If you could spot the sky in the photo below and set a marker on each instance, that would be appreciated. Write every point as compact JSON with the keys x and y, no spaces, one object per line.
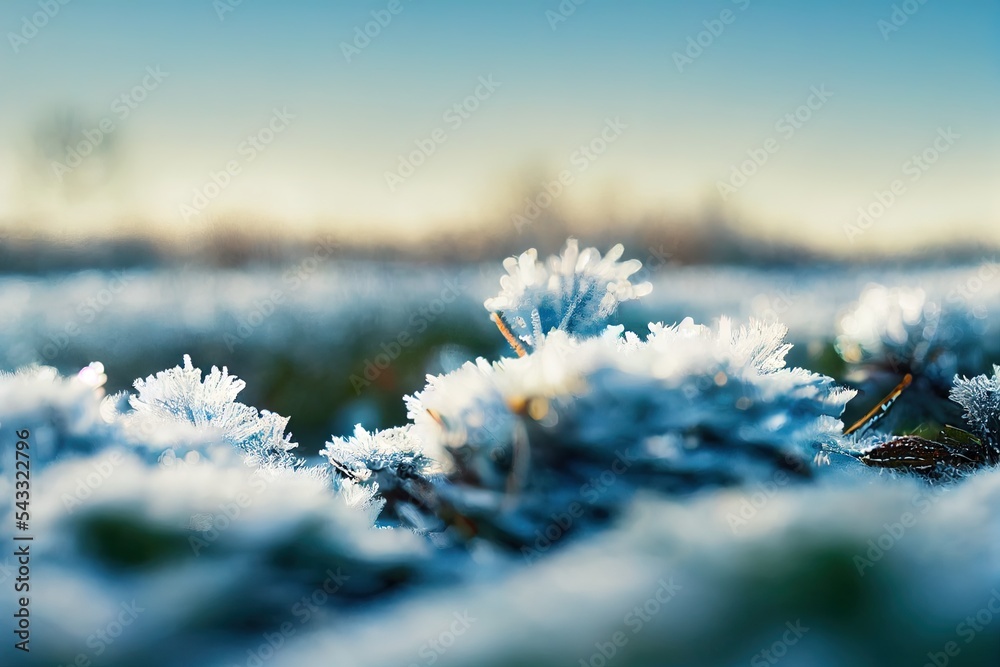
{"x":841,"y":124}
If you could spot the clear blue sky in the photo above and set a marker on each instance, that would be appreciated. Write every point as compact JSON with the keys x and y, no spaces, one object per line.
{"x":559,"y":84}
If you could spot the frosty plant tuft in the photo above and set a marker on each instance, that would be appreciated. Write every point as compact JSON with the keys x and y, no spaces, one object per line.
{"x":180,"y":394}
{"x":587,"y":414}
{"x":576,"y":292}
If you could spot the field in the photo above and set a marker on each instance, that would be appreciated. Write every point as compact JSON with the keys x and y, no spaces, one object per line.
{"x":181,"y":529}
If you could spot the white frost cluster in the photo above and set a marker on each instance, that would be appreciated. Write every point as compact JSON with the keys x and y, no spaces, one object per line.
{"x":62,"y":414}
{"x":685,"y":408}
{"x":372,"y":467}
{"x":575,"y":292}
{"x":180,"y":395}
{"x":688,"y":397}
{"x":980,"y":396}
{"x":366,"y":453}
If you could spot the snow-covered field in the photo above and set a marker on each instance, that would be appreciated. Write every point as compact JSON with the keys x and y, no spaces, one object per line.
{"x":682,"y":495}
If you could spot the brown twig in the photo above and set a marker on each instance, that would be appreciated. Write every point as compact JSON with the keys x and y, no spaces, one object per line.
{"x":882,"y":407}
{"x":498,"y":319}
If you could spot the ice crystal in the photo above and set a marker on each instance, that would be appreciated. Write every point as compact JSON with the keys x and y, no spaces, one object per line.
{"x":180,"y":395}
{"x":389,"y":463}
{"x":62,"y":415}
{"x":463,"y":415}
{"x":980,"y":396}
{"x":576,"y":292}
{"x":362,"y":497}
{"x":365,"y":454}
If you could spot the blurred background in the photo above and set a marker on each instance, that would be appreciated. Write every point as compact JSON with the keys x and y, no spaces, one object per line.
{"x":95,"y":147}
{"x":288,"y":188}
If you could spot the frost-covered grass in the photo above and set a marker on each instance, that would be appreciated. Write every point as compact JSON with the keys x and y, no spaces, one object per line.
{"x":676,"y":489}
